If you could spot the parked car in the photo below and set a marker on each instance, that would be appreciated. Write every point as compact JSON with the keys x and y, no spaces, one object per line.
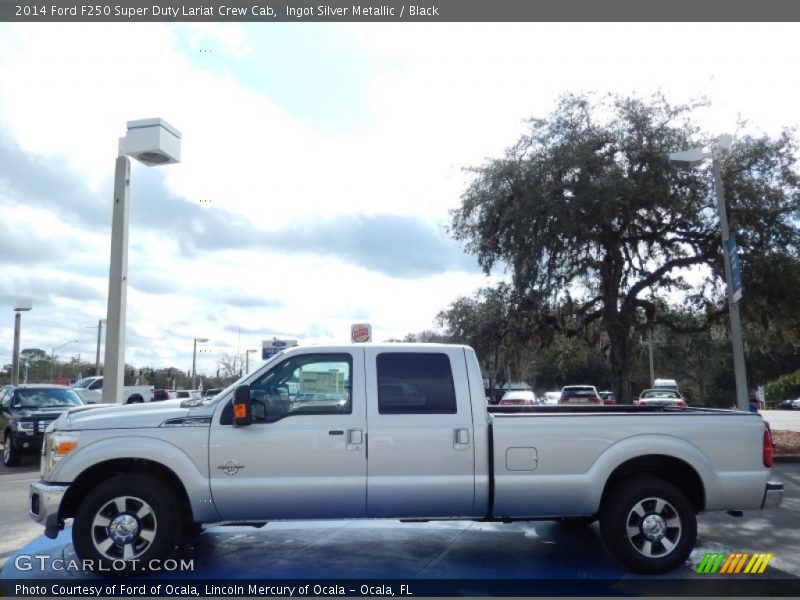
{"x":551,"y":397}
{"x":579,"y":394}
{"x":435,"y":452}
{"x":661,"y":397}
{"x":90,"y":389}
{"x":159,"y":395}
{"x":26,"y":411}
{"x":518,"y":398}
{"x":184,"y":394}
{"x":608,"y":398}
{"x":669,"y":384}
{"x":789,"y":404}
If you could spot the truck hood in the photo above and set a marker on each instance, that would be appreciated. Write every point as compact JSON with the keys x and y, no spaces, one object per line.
{"x":115,"y":416}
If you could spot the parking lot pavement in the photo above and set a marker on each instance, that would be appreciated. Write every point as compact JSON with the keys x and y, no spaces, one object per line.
{"x":469,"y":555}
{"x":526,"y":552}
{"x":782,"y":420}
{"x":16,"y":528}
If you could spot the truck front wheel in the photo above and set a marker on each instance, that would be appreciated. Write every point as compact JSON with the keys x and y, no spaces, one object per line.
{"x":648,"y":524}
{"x":11,"y":454}
{"x":125,"y":522}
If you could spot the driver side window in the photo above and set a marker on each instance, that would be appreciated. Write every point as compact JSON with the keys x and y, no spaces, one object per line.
{"x":316,"y":384}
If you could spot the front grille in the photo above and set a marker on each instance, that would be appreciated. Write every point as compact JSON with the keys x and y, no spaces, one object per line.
{"x":41,"y":426}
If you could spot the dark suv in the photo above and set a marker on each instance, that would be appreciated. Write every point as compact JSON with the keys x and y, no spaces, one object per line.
{"x":26,"y":411}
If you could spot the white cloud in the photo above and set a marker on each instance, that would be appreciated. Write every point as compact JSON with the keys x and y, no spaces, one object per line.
{"x":448,"y":96}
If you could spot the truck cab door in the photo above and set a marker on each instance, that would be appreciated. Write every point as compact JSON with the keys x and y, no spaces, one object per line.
{"x":421,"y":458}
{"x":304,"y":456}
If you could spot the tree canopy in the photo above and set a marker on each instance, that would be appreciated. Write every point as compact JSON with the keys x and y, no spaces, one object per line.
{"x":593,"y":223}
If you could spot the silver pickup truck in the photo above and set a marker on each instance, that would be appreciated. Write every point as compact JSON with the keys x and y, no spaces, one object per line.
{"x":398,"y":431}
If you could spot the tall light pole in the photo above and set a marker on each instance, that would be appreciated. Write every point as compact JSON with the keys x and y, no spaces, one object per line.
{"x":53,"y":355}
{"x":151,"y":142}
{"x":20,"y":306}
{"x":194,"y":359}
{"x":693,"y":158}
{"x":247,"y":361}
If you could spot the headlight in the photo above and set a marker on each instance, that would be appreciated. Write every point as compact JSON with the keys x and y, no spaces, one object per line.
{"x":57,"y":444}
{"x":25,"y":426}
{"x":63,"y":442}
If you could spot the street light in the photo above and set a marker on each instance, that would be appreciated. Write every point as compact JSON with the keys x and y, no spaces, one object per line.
{"x":692,"y":158}
{"x":194,"y":358}
{"x":53,"y":355}
{"x":247,"y":361}
{"x":20,"y":305}
{"x":151,"y":142}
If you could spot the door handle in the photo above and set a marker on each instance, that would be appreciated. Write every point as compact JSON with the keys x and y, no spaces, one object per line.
{"x":355,"y":439}
{"x":461,"y":439}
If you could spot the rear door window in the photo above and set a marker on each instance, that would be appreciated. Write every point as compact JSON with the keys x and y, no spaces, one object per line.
{"x":415,"y":383}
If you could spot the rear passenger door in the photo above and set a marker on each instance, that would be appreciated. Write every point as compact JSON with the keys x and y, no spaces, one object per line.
{"x":420,"y":457}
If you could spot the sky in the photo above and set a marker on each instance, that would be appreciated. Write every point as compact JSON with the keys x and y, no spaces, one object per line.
{"x":320,"y":163}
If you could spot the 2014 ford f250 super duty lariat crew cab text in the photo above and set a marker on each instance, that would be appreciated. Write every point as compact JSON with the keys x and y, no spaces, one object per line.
{"x":399,"y":431}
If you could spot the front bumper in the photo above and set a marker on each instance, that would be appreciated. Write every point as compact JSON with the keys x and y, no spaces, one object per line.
{"x":773,"y":495}
{"x":44,"y":504}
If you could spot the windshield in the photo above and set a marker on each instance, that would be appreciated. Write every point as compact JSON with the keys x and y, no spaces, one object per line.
{"x":46,"y":398}
{"x":84,"y":383}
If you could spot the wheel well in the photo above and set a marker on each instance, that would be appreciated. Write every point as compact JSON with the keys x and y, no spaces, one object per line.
{"x":134,"y":398}
{"x":122,"y":466}
{"x":668,"y":468}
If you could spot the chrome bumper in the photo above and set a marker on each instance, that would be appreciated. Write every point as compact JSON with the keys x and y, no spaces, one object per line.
{"x":44,"y":503}
{"x":773,"y":495}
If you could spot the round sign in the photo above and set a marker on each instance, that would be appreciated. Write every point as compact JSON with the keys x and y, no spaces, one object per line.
{"x":360,"y":333}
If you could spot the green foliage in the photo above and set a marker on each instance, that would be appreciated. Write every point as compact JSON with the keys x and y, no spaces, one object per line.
{"x":787,"y":386}
{"x":593,"y":223}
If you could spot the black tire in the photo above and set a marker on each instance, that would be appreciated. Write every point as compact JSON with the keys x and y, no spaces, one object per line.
{"x":143,"y":511}
{"x":191,"y":530}
{"x":11,"y":454}
{"x":135,"y":400}
{"x":648,"y":524}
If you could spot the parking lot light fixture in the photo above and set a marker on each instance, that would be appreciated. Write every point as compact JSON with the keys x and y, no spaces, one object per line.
{"x":692,"y":158}
{"x":194,"y":360}
{"x":152,"y":142}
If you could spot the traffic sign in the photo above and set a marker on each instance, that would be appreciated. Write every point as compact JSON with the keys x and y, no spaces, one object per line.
{"x":270,"y":348}
{"x":736,"y":267}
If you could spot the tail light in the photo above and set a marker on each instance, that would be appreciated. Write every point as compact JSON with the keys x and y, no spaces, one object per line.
{"x":767,"y":448}
{"x":564,"y":399}
{"x":593,"y":399}
{"x":608,"y":402}
{"x":681,"y":403}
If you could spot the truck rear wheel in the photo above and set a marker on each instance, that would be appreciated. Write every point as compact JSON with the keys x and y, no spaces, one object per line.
{"x":648,"y":524}
{"x":125,"y":522}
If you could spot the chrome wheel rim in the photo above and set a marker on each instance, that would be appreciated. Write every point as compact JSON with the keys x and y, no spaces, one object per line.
{"x":124,"y":528}
{"x":653,"y":527}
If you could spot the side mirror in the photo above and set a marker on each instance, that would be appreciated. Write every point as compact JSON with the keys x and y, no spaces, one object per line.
{"x":242,"y":413}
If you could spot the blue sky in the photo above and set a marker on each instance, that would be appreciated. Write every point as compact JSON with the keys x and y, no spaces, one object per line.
{"x":320,"y":162}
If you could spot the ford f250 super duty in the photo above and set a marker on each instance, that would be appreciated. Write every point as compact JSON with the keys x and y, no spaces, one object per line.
{"x":399,"y":431}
